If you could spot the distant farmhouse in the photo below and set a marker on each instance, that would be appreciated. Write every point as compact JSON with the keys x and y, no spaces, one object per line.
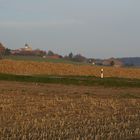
{"x":28,"y":51}
{"x":55,"y":56}
{"x":112,"y":62}
{"x":106,"y":62}
{"x":26,"y":48}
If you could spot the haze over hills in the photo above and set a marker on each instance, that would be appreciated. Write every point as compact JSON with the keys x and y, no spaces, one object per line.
{"x":127,"y":61}
{"x":131,"y":61}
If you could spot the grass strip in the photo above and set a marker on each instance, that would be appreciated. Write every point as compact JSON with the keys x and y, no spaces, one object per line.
{"x":73,"y":80}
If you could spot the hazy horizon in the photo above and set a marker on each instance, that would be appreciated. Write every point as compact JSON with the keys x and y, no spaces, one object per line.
{"x":93,"y":28}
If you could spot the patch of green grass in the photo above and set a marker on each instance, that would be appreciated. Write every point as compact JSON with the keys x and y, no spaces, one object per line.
{"x":41,"y":59}
{"x":73,"y":80}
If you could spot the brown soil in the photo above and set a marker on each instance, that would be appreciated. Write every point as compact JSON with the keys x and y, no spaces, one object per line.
{"x":64,"y":90}
{"x":31,"y":111}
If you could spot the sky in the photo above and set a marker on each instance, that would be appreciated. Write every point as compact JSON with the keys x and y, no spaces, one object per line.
{"x":93,"y":28}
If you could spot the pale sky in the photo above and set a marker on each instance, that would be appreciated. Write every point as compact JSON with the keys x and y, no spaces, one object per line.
{"x":93,"y":28}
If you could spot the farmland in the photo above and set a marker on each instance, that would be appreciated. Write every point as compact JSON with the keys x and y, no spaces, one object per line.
{"x":41,"y":59}
{"x":45,"y":101}
{"x":48,"y":68}
{"x":36,"y":111}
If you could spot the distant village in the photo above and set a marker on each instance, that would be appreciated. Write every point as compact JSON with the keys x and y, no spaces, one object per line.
{"x":28,"y":51}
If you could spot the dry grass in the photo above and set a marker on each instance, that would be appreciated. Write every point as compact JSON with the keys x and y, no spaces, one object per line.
{"x":26,"y":115}
{"x":24,"y":67}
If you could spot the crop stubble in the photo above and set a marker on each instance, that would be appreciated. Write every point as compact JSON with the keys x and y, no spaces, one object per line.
{"x":30,"y":67}
{"x":47,"y":111}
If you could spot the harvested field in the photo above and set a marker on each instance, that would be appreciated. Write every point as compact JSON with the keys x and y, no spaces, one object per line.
{"x":30,"y":67}
{"x":49,"y":111}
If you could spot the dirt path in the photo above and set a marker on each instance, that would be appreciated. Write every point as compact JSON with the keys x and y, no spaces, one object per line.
{"x":65,"y":90}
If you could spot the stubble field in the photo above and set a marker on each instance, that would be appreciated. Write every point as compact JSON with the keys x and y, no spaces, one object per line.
{"x":32,"y":111}
{"x":48,"y":68}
